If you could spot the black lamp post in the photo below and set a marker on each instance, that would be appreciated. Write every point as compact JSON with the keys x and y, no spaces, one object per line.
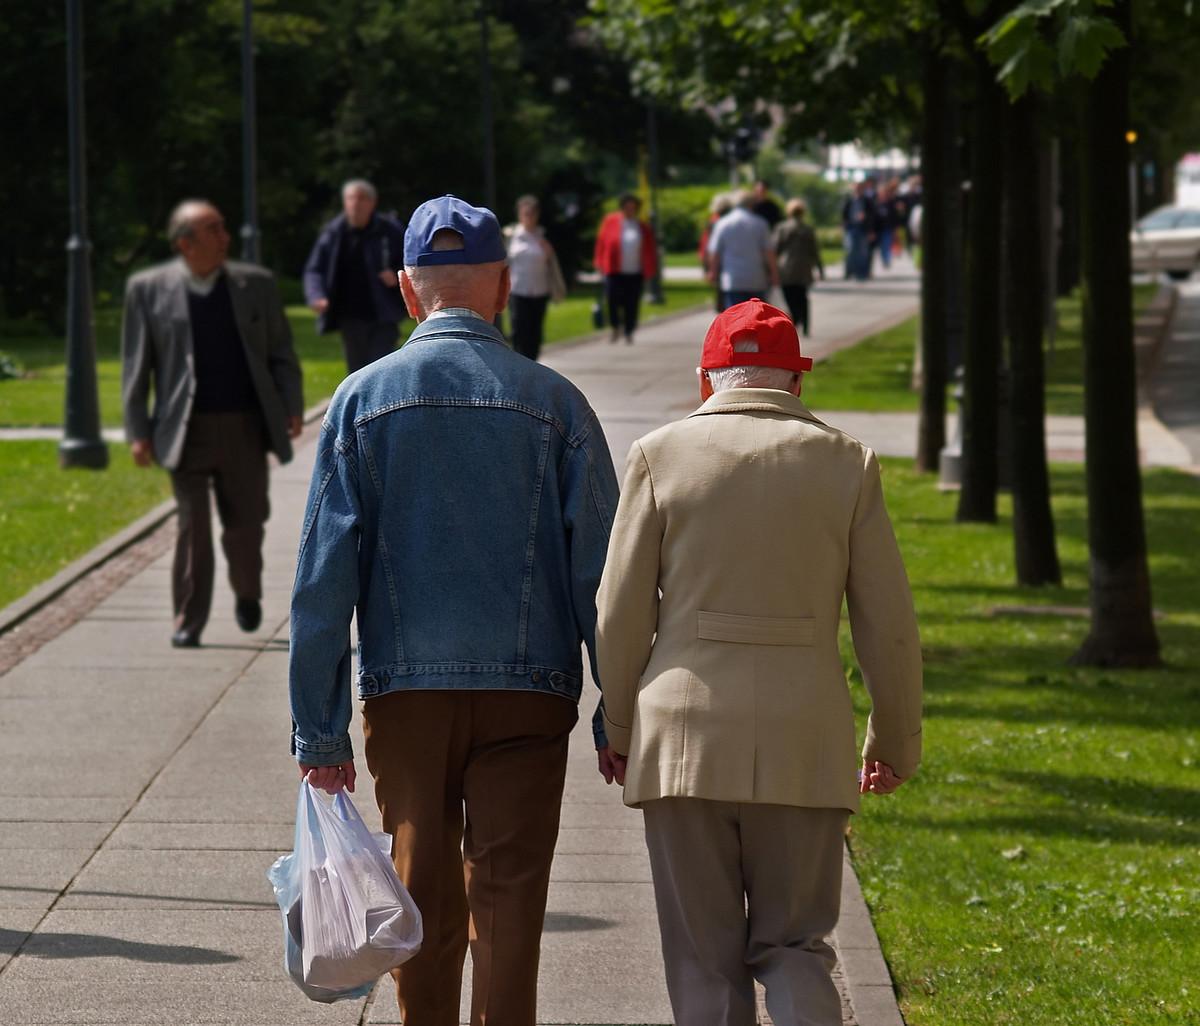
{"x":655,"y":286}
{"x":249,"y":232}
{"x":82,"y":445}
{"x":485,"y":111}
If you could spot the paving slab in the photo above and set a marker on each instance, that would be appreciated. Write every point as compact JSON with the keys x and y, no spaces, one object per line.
{"x":154,"y":945}
{"x":33,"y":880}
{"x":272,"y":837}
{"x":79,"y":808}
{"x":32,"y":835}
{"x":119,"y":1001}
{"x":15,"y":928}
{"x":126,"y":878}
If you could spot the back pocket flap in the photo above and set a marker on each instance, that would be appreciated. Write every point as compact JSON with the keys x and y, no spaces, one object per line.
{"x":756,"y":630}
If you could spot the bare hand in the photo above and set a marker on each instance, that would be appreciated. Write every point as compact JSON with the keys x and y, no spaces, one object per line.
{"x":294,"y":426}
{"x":142,"y":452}
{"x":877,"y":778}
{"x":711,"y":274}
{"x":320,"y":305}
{"x":330,"y":778}
{"x":388,"y":277}
{"x":611,"y":765}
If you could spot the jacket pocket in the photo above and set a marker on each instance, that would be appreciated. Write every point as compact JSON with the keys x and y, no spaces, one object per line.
{"x":756,"y":630}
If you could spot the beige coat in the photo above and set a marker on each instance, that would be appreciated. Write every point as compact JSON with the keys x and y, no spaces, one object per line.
{"x":753,"y":519}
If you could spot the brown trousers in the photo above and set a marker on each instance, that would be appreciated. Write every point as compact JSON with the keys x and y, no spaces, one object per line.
{"x":230,"y":451}
{"x":500,"y":757}
{"x":747,"y":892}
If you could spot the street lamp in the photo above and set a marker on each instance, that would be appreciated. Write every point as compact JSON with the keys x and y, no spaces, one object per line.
{"x":655,"y":286}
{"x":82,"y":445}
{"x":249,"y":232}
{"x":485,"y":111}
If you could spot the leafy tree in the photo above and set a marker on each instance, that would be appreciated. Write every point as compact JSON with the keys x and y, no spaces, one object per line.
{"x":1072,"y":37}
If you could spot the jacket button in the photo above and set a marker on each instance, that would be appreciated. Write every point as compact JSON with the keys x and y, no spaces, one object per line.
{"x":535,"y":677}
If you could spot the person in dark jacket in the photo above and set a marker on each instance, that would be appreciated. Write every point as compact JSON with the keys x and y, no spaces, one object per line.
{"x":350,"y":277}
{"x":797,"y":255}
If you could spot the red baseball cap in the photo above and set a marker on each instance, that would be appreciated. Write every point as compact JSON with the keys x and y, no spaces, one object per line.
{"x":777,"y":344}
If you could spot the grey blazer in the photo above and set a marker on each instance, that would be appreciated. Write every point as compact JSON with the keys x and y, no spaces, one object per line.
{"x":156,"y":346}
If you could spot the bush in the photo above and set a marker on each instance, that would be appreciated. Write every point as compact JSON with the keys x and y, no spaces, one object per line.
{"x":824,"y":199}
{"x":10,"y":367}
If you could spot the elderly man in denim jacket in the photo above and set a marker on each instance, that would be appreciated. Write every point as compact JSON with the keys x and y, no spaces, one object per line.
{"x":461,"y":506}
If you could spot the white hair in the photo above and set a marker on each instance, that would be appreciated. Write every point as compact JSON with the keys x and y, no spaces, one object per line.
{"x":750,"y":375}
{"x":360,"y":185}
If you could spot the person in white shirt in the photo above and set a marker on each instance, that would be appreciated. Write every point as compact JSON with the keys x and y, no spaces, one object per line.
{"x":536,"y":278}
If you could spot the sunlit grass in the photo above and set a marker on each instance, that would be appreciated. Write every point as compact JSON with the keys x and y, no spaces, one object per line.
{"x":1041,"y":868}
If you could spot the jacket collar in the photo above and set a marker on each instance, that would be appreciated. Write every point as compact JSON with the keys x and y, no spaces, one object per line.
{"x":456,"y":326}
{"x":767,"y":400}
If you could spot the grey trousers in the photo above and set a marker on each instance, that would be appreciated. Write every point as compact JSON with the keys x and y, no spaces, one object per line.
{"x":747,"y":892}
{"x":364,"y":342}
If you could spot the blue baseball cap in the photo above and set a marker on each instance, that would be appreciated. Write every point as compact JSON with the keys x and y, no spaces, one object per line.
{"x":480,"y":231}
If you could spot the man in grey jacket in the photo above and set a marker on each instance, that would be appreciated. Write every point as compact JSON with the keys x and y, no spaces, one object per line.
{"x":210,"y":339}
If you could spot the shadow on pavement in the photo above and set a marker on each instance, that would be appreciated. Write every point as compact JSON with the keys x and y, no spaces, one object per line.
{"x":560,"y":922}
{"x":86,"y":945}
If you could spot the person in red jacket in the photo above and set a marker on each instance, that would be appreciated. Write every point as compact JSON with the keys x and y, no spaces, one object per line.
{"x":626,"y":254}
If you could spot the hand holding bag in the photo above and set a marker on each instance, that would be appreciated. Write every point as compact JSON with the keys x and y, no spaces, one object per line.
{"x":347,"y":917}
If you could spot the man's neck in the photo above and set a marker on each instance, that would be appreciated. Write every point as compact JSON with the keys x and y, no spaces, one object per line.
{"x":202,"y":281}
{"x":454,"y":311}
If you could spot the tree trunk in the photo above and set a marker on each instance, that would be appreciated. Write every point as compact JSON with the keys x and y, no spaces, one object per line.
{"x":1033,"y":522}
{"x":1122,"y":629}
{"x":1068,"y":250}
{"x":981,"y":363}
{"x":937,"y":143}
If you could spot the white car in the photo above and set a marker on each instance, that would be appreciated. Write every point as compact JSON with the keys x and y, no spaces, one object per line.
{"x":1167,"y":239}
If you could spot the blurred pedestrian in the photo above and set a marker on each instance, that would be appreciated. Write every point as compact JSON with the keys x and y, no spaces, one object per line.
{"x":350,"y":277}
{"x":891,"y":216}
{"x":627,"y":255}
{"x":739,"y":531}
{"x":799,"y":260}
{"x":858,"y":225}
{"x":721,"y":204}
{"x":459,"y":512}
{"x":211,"y":340}
{"x":741,"y":254}
{"x":764,"y":206}
{"x":536,"y":278}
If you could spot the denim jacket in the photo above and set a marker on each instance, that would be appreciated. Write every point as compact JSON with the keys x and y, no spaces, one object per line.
{"x":460,"y":504}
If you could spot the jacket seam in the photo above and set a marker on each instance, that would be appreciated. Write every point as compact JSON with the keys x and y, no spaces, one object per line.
{"x":475,"y":403}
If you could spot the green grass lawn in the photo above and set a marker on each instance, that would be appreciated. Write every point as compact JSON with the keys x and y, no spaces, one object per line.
{"x":49,"y":517}
{"x":1041,"y":868}
{"x":877,"y":373}
{"x":36,"y":398}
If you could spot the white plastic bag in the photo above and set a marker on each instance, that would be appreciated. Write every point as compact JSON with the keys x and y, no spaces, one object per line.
{"x":347,"y":918}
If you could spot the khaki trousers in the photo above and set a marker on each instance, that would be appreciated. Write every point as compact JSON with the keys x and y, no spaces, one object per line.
{"x":747,"y":892}
{"x":470,"y":785}
{"x":230,"y":451}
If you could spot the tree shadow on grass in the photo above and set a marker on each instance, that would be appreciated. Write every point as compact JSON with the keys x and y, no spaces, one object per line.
{"x":87,"y":945}
{"x":1092,"y":806}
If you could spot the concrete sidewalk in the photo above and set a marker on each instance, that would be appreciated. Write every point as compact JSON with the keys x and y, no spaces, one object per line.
{"x":144,"y":790}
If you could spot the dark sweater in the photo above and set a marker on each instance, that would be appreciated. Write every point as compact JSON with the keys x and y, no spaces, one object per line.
{"x":352,"y":295}
{"x":223,"y":382}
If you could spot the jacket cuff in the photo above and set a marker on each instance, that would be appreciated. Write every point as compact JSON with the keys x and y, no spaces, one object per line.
{"x":332,"y":752}
{"x":902,"y":754}
{"x":619,"y":737}
{"x":599,"y":736}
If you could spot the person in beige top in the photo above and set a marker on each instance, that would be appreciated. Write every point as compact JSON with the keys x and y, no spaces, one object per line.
{"x":739,"y":531}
